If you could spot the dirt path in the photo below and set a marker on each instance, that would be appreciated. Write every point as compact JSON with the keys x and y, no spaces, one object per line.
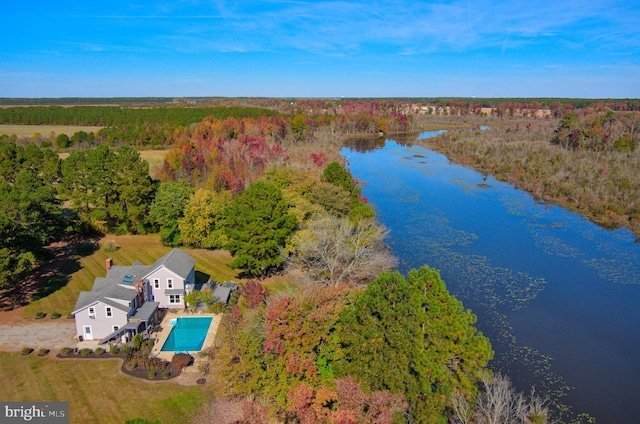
{"x":50,"y":335}
{"x":13,"y":317}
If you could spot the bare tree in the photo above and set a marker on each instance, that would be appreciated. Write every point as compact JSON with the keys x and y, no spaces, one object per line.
{"x":335,"y":250}
{"x":499,"y":403}
{"x":462,"y":410}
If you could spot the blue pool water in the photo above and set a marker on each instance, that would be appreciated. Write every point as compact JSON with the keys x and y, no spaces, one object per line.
{"x":187,"y":335}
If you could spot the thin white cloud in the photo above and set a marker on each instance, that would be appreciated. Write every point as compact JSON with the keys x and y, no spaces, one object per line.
{"x":350,"y":26}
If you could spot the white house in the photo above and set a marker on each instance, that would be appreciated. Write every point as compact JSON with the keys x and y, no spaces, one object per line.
{"x":126,"y":300}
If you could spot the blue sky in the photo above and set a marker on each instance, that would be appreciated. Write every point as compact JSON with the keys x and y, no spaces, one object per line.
{"x":320,"y":48}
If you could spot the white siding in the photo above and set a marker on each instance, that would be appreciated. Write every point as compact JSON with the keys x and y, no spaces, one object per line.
{"x":101,"y":326}
{"x":163,"y":274}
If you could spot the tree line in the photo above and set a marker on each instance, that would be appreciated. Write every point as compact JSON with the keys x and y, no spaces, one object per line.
{"x":30,"y":210}
{"x":122,"y":116}
{"x":602,"y":132}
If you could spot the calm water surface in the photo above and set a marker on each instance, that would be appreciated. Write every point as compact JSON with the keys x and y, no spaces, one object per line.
{"x":557,"y":295}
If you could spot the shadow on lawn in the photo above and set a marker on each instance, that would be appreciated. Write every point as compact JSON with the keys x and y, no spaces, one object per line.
{"x":201,"y":277}
{"x":52,"y":274}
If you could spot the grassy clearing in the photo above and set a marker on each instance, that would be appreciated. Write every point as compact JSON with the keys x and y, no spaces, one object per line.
{"x":96,"y":390}
{"x":154,"y":157}
{"x":31,"y":130}
{"x":146,"y":249}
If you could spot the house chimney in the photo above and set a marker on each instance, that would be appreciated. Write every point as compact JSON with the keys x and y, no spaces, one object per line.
{"x":109,"y":263}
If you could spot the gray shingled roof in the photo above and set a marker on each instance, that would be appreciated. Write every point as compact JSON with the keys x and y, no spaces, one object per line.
{"x":107,"y":288}
{"x":177,"y":261}
{"x":145,"y":311}
{"x":111,"y":286}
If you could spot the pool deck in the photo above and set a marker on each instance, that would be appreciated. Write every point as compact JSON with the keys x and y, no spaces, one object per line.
{"x":161,"y":337}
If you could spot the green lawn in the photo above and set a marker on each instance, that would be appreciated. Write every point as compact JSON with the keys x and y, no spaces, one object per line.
{"x":96,"y":390}
{"x":146,"y":249}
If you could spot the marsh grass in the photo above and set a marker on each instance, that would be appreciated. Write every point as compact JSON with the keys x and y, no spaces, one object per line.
{"x":602,"y":186}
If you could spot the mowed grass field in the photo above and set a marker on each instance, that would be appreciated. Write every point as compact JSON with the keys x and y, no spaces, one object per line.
{"x":97,"y":391}
{"x":130,"y":248}
{"x":45,"y":130}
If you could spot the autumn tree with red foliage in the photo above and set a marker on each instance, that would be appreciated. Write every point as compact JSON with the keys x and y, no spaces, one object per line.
{"x":255,"y":293}
{"x":226,"y":154}
{"x":297,"y":332}
{"x":346,"y":404}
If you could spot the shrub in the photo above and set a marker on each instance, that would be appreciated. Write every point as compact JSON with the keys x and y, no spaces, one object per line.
{"x":166,"y":374}
{"x":152,"y":363}
{"x":216,"y":307}
{"x":181,"y":360}
{"x":40,"y":315}
{"x":151,"y":374}
{"x":210,"y":352}
{"x":131,"y":364}
{"x":85,"y":352}
{"x":87,"y":248}
{"x":110,"y":246}
{"x":99,"y":351}
{"x":65,"y":351}
{"x":62,"y":141}
{"x":70,"y":316}
{"x":43,"y":352}
{"x":114,"y":350}
{"x":26,"y":350}
{"x":137,"y":341}
{"x":199,"y":297}
{"x":55,"y":315}
{"x":147,"y":344}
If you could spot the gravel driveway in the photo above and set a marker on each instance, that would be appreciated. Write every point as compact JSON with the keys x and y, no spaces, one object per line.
{"x":50,"y":335}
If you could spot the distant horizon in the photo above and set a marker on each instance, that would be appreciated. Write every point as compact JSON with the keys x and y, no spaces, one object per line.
{"x":321,"y":49}
{"x":204,"y":97}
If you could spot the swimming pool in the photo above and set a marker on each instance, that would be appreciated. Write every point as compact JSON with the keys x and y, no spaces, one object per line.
{"x":187,"y":335}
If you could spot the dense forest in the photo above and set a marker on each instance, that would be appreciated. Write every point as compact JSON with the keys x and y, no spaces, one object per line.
{"x":267,"y":185}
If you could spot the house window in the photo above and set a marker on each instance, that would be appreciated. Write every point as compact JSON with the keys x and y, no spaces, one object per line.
{"x":92,"y":312}
{"x":156,"y":283}
{"x":169,"y":283}
{"x":174,"y":298}
{"x":109,"y":312}
{"x":115,"y":328}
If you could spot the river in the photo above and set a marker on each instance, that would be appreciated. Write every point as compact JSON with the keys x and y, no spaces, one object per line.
{"x":556,"y":294}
